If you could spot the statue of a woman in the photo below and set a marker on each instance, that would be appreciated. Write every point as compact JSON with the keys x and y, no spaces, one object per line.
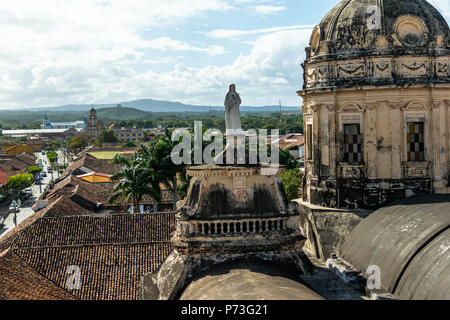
{"x":233,"y":114}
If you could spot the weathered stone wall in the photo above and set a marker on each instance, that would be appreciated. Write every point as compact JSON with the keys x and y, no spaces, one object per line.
{"x":326,"y":229}
{"x":385,"y":170}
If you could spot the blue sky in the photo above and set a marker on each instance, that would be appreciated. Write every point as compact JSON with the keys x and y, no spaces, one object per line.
{"x":58,"y":52}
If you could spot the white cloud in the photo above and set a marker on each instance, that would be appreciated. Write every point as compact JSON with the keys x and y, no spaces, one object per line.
{"x":269,"y":9}
{"x":272,"y":69}
{"x":166,"y":44}
{"x":233,"y":34}
{"x":86,"y":51}
{"x":57,"y":51}
{"x":270,"y":72}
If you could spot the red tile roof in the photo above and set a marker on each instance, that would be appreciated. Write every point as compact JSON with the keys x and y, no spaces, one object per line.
{"x":93,"y":164}
{"x":108,"y":272}
{"x":96,"y":230}
{"x":97,"y":192}
{"x":19,"y":281}
{"x":113,"y":252}
{"x":10,"y":166}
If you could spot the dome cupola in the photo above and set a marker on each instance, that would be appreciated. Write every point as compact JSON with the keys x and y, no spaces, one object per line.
{"x":365,"y":29}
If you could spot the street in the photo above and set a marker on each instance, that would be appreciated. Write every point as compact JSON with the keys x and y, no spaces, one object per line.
{"x":25,"y":209}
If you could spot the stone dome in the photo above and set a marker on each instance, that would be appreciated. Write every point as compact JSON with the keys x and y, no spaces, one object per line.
{"x":374,"y":29}
{"x":357,"y":23}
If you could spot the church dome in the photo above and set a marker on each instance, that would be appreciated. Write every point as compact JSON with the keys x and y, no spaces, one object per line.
{"x":357,"y":23}
{"x":374,"y":29}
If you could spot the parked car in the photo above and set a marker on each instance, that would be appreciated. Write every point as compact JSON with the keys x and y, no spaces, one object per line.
{"x":43,"y":174}
{"x":49,"y":170}
{"x":24,"y":195}
{"x":43,"y":152}
{"x":13,"y":206}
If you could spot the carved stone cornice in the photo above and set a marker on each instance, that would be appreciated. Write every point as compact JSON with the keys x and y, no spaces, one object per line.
{"x":397,"y":106}
{"x":437,"y":104}
{"x":371,"y":106}
{"x":331,"y":107}
{"x":310,"y":108}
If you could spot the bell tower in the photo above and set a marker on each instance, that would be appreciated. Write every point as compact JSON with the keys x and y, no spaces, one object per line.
{"x":93,"y":126}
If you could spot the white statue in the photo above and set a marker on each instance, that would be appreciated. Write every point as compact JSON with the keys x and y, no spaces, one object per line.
{"x":233,"y":114}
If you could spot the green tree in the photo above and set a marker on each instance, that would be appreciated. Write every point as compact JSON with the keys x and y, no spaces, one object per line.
{"x":292,"y":182}
{"x":19,"y":182}
{"x":106,"y":136}
{"x":287,"y":159}
{"x":134,"y":181}
{"x":157,"y":156}
{"x":34,"y":170}
{"x":52,"y":156}
{"x":80,"y":141}
{"x":129,"y":144}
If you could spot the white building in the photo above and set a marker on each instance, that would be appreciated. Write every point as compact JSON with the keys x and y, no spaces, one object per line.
{"x":79,"y":125}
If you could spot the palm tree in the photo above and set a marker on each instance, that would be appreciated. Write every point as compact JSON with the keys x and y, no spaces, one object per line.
{"x":134,"y":181}
{"x":158,"y":157}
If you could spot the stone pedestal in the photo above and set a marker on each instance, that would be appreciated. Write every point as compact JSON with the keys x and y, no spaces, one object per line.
{"x":231,"y":213}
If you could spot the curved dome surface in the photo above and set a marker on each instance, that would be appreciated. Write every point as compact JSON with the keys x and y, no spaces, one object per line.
{"x":241,"y":281}
{"x":429,"y":276}
{"x":378,"y":43}
{"x":356,"y":23}
{"x":410,"y":242}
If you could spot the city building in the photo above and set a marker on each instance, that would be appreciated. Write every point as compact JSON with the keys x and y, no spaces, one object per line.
{"x":127,"y":134}
{"x":79,"y":125}
{"x":19,"y":149}
{"x":295,"y":143}
{"x":93,"y":126}
{"x":50,"y":134}
{"x":376,"y":104}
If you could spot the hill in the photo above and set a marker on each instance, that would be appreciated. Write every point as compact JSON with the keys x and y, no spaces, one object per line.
{"x":121,"y":113}
{"x":151,"y":105}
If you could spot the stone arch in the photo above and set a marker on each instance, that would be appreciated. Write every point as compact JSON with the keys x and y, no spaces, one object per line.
{"x":351,"y":107}
{"x":416,"y":105}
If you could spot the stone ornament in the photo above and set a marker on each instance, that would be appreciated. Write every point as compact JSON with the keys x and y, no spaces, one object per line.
{"x":240,"y":195}
{"x":410,"y":30}
{"x":315,"y":40}
{"x":381,"y":42}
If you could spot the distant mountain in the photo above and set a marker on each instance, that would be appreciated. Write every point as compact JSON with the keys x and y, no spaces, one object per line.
{"x":121,"y":113}
{"x":150,"y":105}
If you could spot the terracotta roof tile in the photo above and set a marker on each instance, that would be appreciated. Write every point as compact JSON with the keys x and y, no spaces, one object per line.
{"x":97,"y":165}
{"x":95,"y":230}
{"x":18,"y":281}
{"x":108,"y":272}
{"x":113,"y":252}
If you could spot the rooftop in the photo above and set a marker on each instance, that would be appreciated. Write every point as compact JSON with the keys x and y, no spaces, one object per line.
{"x":112,"y":251}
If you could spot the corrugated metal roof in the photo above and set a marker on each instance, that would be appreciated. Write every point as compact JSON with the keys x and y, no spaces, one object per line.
{"x":33,"y":131}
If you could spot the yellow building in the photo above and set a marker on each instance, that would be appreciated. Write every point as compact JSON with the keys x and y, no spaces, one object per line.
{"x":376,"y":104}
{"x":19,"y":149}
{"x":95,"y":177}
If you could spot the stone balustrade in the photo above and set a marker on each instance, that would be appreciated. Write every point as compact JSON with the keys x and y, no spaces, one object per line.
{"x":232,"y":227}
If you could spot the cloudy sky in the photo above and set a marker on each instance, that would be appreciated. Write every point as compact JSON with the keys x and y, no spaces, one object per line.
{"x":56,"y":52}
